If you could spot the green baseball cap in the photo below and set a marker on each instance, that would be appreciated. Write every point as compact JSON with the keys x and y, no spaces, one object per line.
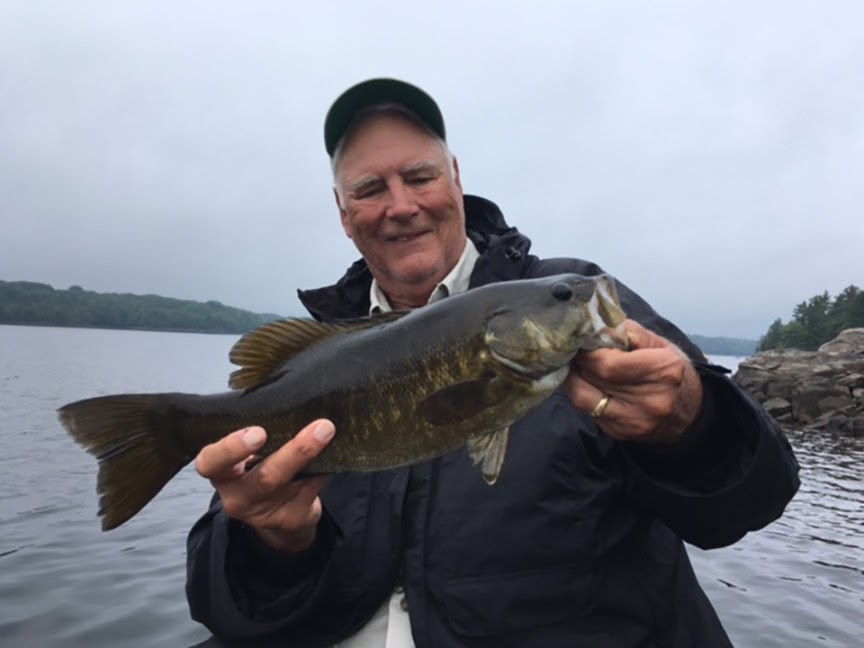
{"x":376,"y":91}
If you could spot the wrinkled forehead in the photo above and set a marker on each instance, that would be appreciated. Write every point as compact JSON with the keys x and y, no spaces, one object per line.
{"x":388,"y":138}
{"x":387,"y":108}
{"x":387,"y":114}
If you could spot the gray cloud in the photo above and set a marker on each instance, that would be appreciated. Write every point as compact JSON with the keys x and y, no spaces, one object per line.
{"x":710,"y":157}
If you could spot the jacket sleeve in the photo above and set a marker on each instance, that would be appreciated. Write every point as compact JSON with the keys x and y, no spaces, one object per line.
{"x":239,"y":588}
{"x":734,"y":471}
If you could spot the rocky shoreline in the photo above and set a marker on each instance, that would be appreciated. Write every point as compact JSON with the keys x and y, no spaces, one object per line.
{"x":813,"y":390}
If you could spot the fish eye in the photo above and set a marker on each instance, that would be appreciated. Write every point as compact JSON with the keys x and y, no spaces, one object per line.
{"x":562,"y":292}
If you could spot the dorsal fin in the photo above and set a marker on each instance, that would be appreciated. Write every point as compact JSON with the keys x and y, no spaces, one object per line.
{"x":262,"y":351}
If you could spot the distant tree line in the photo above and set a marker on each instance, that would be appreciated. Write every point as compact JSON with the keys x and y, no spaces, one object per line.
{"x":27,"y":302}
{"x":724,"y":345}
{"x":816,"y":321}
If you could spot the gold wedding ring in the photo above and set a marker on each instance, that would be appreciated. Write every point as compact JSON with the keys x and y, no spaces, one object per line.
{"x":598,"y":410}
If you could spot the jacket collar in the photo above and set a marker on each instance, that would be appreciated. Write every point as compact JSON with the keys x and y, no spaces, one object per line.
{"x":503,"y":257}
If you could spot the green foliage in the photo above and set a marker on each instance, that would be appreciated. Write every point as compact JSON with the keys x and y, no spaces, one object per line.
{"x":816,"y":321}
{"x":25,"y":302}
{"x":724,"y":345}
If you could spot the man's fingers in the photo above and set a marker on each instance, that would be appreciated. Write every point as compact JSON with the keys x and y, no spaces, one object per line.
{"x":584,"y":395}
{"x":633,"y":368}
{"x":650,"y":358}
{"x":641,"y":338}
{"x":219,"y":461}
{"x":654,"y":391}
{"x":308,"y":491}
{"x":282,"y":466}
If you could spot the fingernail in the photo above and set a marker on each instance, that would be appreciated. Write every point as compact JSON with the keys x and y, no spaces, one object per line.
{"x":324,"y":431}
{"x":254,"y":437}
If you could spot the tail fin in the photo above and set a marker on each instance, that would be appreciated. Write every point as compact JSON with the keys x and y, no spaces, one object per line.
{"x":133,"y":437}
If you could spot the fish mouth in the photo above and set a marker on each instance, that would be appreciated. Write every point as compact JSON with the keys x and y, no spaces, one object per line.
{"x":606,"y":316}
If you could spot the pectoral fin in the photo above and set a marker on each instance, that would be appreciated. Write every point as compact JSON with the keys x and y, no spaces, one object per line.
{"x":489,"y":451}
{"x":461,"y":401}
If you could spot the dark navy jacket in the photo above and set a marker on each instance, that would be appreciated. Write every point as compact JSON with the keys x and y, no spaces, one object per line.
{"x":579,"y":543}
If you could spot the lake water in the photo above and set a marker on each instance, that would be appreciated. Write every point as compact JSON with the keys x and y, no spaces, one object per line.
{"x":63,"y":582}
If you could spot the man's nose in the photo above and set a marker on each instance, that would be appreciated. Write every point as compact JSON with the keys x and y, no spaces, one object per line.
{"x":402,"y":203}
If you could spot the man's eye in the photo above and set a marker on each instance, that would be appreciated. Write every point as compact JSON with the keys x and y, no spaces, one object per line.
{"x":368,"y":192}
{"x":420,"y":180}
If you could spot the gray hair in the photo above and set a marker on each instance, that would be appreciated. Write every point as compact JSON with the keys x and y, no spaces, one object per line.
{"x":389,"y":108}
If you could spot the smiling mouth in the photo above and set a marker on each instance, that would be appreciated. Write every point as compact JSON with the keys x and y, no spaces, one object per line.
{"x":405,"y":238}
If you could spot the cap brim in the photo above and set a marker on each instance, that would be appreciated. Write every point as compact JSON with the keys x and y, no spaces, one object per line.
{"x":377,"y":91}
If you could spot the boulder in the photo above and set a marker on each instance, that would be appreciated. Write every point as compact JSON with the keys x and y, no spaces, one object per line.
{"x":821,"y":389}
{"x":779,"y":408}
{"x":850,"y":342}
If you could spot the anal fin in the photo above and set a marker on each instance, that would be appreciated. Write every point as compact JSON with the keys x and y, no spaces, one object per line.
{"x":489,"y":451}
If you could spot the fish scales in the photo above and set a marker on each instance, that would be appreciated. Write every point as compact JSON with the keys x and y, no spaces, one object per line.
{"x":383,"y":427}
{"x":373,"y":403}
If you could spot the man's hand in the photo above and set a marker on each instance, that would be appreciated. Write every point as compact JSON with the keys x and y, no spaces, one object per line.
{"x":654,"y":391}
{"x":283,"y":511}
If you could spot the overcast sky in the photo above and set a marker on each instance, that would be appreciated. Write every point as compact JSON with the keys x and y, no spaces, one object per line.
{"x":708,"y":154}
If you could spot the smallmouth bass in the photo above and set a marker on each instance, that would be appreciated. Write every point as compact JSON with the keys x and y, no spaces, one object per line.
{"x":400,"y":387}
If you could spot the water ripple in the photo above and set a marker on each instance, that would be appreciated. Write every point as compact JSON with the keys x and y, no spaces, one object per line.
{"x":799,"y":582}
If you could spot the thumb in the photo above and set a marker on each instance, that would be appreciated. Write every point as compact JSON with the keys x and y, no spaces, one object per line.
{"x":639,"y":337}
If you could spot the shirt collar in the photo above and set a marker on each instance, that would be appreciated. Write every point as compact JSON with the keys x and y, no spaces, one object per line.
{"x":455,"y":282}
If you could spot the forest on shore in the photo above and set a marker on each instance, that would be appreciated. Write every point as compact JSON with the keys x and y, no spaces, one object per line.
{"x":28,"y":302}
{"x":816,"y":321}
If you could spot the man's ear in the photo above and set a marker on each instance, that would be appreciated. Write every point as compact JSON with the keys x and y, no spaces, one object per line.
{"x":343,"y":215}
{"x":456,"y":178}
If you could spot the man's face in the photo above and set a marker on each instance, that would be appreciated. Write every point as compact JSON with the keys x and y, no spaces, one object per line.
{"x":401,"y":205}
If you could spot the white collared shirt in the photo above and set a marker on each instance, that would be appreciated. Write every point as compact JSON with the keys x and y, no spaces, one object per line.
{"x":454,"y":283}
{"x":390,"y":627}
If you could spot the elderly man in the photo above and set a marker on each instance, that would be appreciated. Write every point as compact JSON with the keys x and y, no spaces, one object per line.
{"x":580,"y":543}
